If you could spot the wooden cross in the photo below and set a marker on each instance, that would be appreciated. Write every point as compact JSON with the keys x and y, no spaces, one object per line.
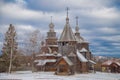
{"x":51,"y":19}
{"x":76,"y":20}
{"x":67,"y":11}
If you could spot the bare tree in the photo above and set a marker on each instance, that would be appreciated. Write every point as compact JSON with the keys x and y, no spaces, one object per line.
{"x":34,"y":45}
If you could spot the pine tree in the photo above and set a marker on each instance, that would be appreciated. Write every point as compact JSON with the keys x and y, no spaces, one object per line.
{"x":10,"y":49}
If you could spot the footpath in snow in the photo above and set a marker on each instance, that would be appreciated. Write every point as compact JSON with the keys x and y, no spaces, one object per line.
{"x":28,"y":75}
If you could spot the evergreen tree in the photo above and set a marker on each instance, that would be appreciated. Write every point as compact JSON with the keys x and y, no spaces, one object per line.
{"x":9,"y":50}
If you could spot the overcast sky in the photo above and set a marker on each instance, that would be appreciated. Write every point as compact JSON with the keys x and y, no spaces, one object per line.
{"x":99,"y":20}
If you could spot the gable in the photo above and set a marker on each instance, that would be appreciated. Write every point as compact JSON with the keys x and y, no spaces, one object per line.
{"x":64,"y":60}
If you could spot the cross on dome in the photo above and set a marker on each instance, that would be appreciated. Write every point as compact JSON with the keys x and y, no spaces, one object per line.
{"x":67,"y":19}
{"x":67,"y":9}
{"x":77,"y":28}
{"x":76,"y":20}
{"x":51,"y":26}
{"x":51,"y":19}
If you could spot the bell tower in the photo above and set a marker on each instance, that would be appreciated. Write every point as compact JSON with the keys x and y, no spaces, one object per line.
{"x":51,"y":40}
{"x":51,"y":35}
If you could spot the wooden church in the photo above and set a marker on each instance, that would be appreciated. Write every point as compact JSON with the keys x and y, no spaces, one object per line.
{"x":67,"y":55}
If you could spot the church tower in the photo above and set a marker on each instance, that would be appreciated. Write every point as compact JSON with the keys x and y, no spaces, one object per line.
{"x":51,"y":35}
{"x":81,"y":43}
{"x":51,"y":40}
{"x":67,"y":41}
{"x":77,"y":33}
{"x":67,"y":46}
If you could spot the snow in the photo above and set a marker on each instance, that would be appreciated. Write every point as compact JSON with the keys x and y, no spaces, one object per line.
{"x":67,"y":60}
{"x":28,"y":75}
{"x":46,"y":54}
{"x":50,"y":54}
{"x":83,"y":50}
{"x":81,"y":57}
{"x":109,"y":62}
{"x":43,"y":62}
{"x":59,"y":55}
{"x":117,"y":63}
{"x":53,"y":45}
{"x":71,"y":54}
{"x":92,"y":62}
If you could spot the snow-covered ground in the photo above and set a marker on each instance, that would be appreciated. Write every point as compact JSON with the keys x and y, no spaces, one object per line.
{"x":28,"y":75}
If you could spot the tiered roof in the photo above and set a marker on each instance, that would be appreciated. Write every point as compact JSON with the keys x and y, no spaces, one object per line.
{"x":67,"y":34}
